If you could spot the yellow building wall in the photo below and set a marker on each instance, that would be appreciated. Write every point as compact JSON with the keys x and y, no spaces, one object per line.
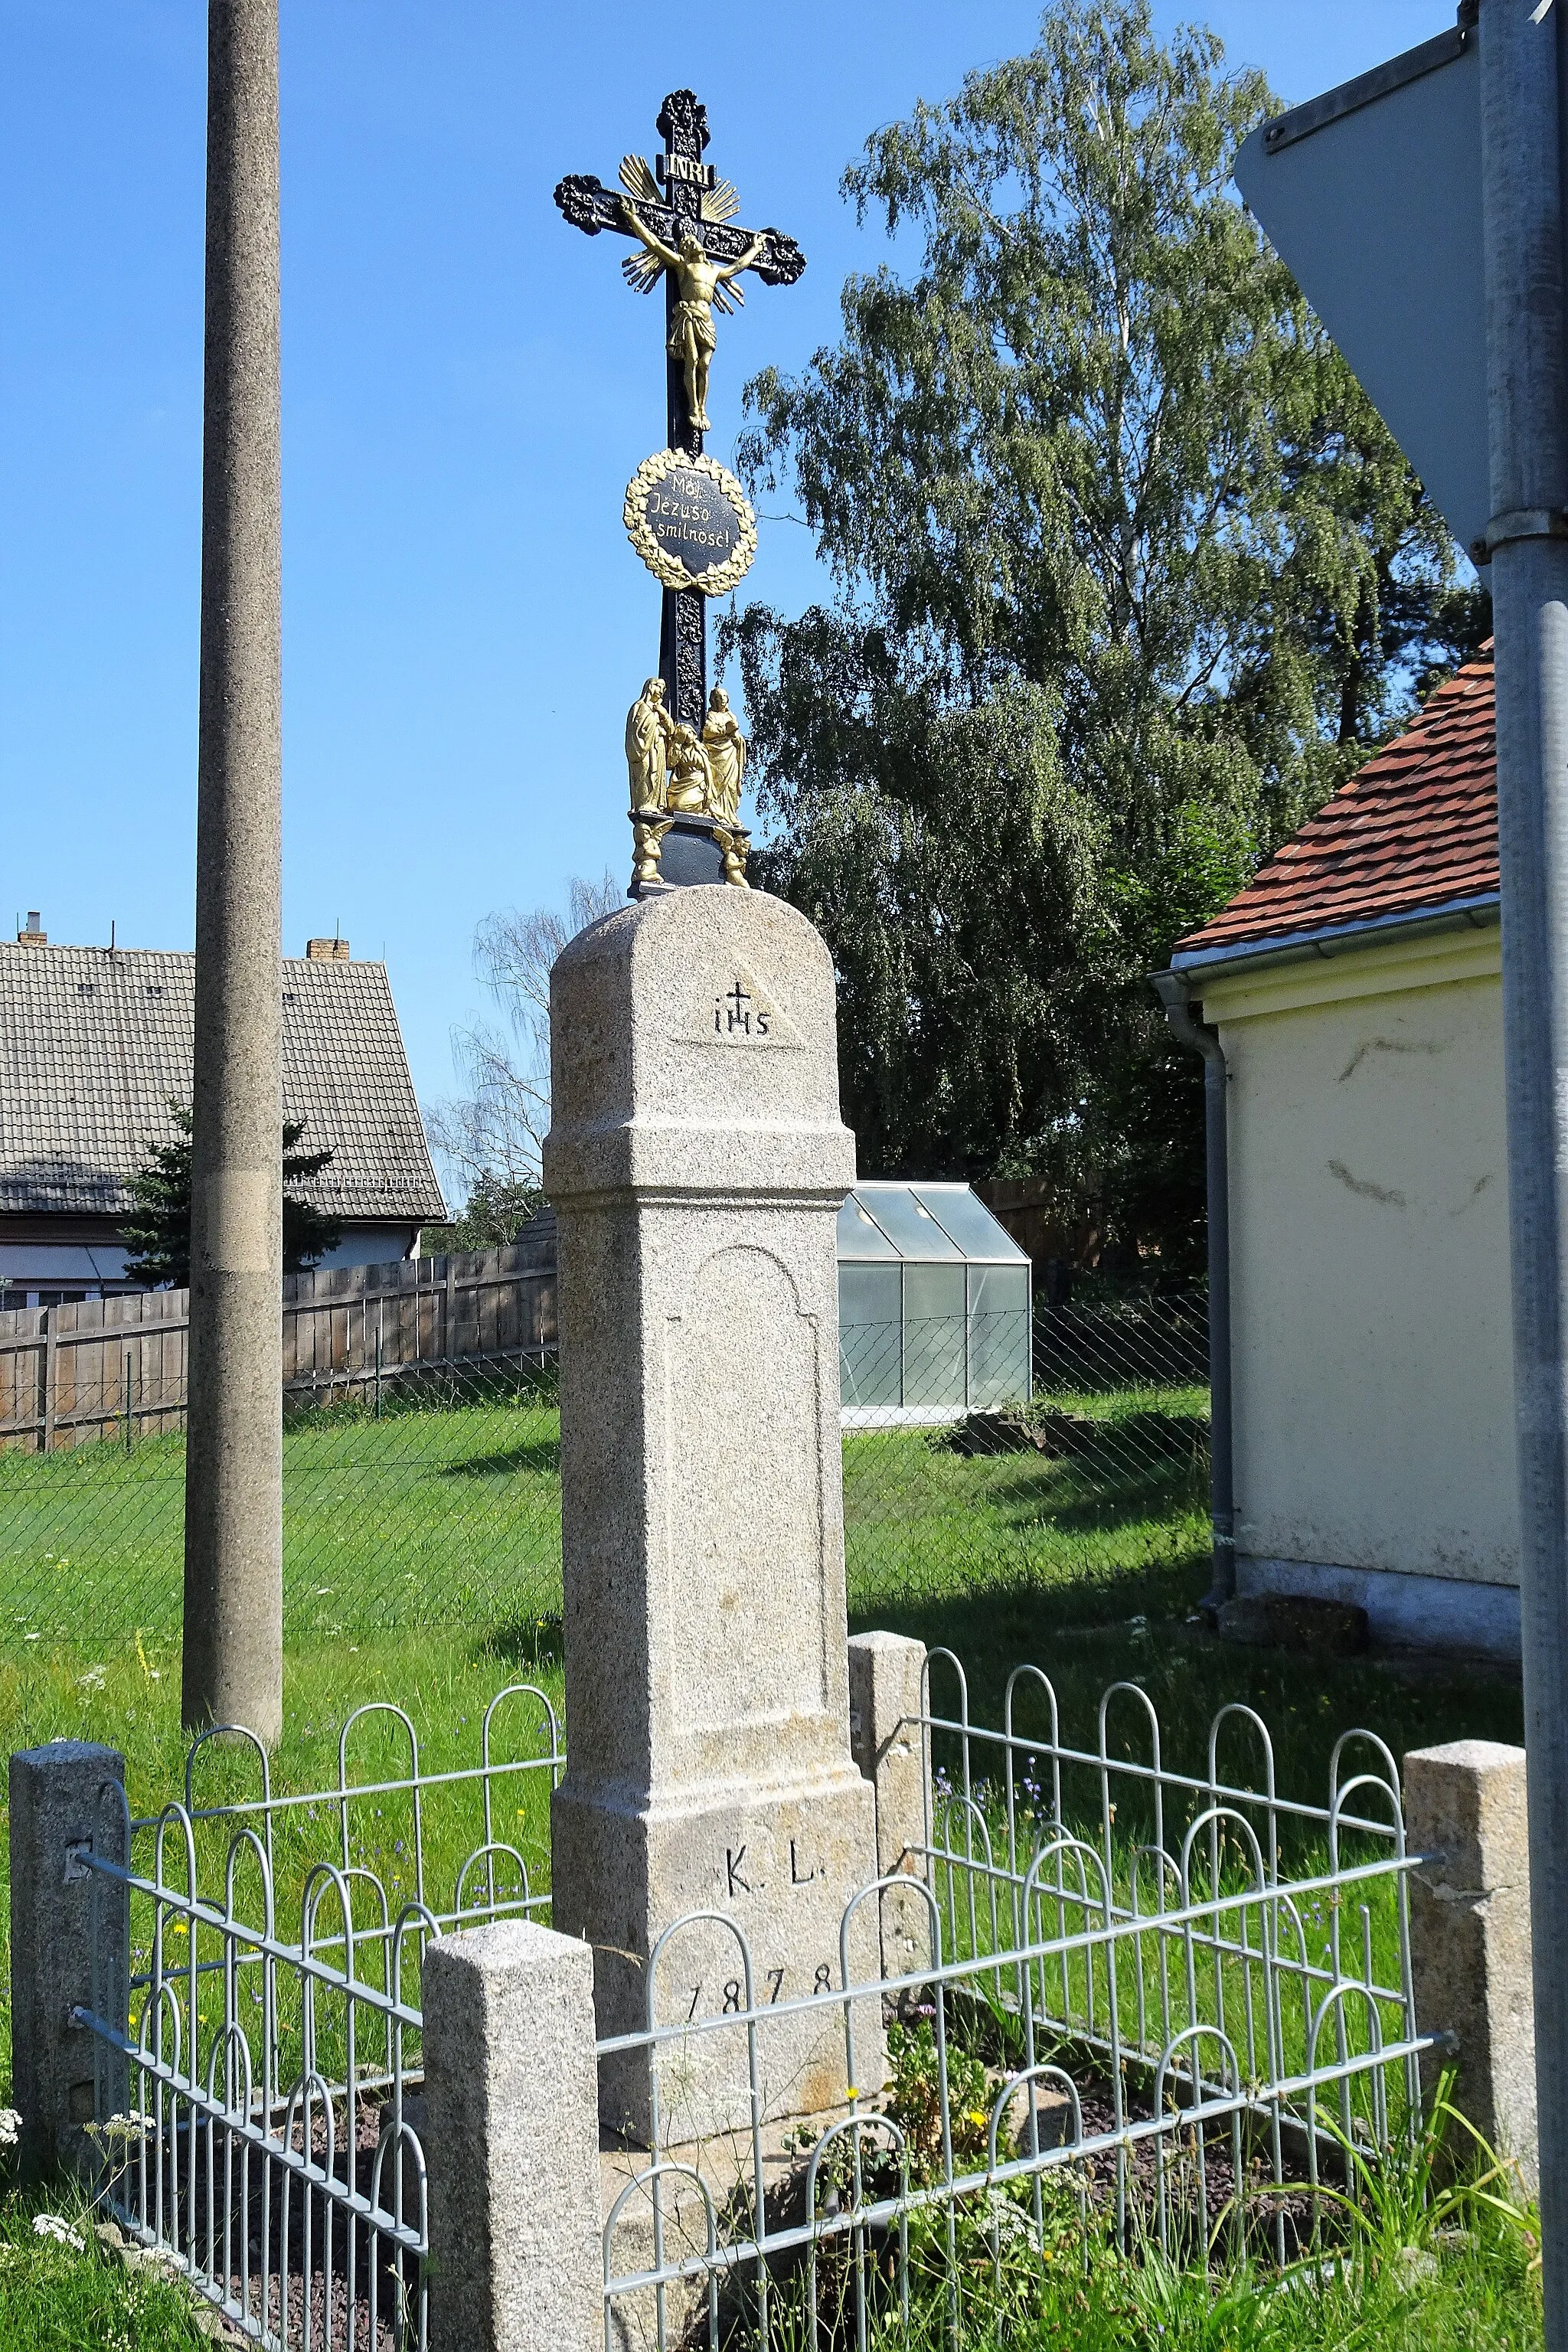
{"x":1373,"y":1393}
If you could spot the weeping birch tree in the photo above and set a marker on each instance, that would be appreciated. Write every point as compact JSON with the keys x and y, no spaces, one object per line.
{"x":1128,"y":576}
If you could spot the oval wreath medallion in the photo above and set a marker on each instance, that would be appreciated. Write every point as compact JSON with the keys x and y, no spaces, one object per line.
{"x":690,"y":521}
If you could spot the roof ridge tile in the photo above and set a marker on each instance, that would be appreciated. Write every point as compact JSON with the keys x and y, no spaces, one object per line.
{"x":1413,"y":828}
{"x":87,"y":1068}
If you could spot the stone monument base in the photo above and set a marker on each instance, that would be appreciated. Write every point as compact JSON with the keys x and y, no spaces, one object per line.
{"x":780,"y":1865}
{"x":697,"y":1163}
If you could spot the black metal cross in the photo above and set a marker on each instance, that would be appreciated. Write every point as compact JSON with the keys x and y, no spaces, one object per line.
{"x":680,"y":196}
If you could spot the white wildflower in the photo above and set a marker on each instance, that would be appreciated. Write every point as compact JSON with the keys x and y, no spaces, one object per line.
{"x":10,"y":2127}
{"x":132,"y":2126}
{"x":49,"y":2225}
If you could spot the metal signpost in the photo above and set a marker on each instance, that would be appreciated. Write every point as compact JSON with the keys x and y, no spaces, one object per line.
{"x":1382,"y":197}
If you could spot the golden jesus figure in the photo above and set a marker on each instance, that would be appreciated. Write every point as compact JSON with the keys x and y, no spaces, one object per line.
{"x":698,"y":284}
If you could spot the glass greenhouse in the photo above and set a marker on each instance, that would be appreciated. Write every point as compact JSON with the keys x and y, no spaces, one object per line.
{"x":934,"y":1308}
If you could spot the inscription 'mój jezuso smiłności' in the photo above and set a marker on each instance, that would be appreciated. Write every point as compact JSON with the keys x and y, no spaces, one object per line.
{"x":692,"y":521}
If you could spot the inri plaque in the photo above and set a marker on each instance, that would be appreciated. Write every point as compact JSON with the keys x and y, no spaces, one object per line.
{"x":690,"y":521}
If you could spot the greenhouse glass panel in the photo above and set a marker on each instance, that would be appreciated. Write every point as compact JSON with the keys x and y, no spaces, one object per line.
{"x":914,"y":1228}
{"x":936,"y":1342}
{"x":933,"y":1311}
{"x":859,"y":1235}
{"x":998,"y":1335}
{"x":870,"y":1335}
{"x":970,"y":1224}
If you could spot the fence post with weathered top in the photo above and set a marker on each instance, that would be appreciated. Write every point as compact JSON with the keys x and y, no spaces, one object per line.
{"x":66,"y":1800}
{"x":512,"y":2142}
{"x":1470,"y":1932}
{"x":887,"y":1739}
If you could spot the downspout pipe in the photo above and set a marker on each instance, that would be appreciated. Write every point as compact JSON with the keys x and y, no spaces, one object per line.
{"x":1172,"y":991}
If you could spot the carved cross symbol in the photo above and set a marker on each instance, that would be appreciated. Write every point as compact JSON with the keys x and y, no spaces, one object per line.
{"x":739,"y":998}
{"x":680,"y":196}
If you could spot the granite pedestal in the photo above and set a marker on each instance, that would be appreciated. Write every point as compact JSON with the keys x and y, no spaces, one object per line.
{"x":697,"y":1162}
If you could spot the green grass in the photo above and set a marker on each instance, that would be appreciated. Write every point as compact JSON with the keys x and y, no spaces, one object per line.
{"x":1179,"y":1399}
{"x":1089,"y":1567}
{"x":422,"y":1567}
{"x":1472,"y":2290}
{"x":1432,"y":2250}
{"x":54,"y":2298}
{"x":1092,"y":1569}
{"x":437,"y":1516}
{"x":131,"y":1701}
{"x":1480,"y":2298}
{"x":423,"y":1517}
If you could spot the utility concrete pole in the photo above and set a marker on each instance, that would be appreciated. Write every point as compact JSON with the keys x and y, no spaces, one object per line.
{"x":1528,"y":538}
{"x":232,"y":1669}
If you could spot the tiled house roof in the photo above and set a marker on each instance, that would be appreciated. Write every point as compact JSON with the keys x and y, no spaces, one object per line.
{"x":95,"y":1042}
{"x":1413,"y":832}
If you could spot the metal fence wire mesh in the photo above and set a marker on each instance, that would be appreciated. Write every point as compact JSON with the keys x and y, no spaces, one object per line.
{"x":256,"y":2010}
{"x":429,"y":1492}
{"x":1173,"y":2007}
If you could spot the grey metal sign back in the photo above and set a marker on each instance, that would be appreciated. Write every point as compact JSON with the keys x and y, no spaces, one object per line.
{"x":1423,"y":210}
{"x":1372,"y":196}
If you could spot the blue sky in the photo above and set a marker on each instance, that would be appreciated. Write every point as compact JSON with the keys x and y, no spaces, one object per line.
{"x":467,"y":386}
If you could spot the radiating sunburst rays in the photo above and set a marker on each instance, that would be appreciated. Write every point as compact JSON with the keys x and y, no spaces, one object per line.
{"x":642,"y":270}
{"x":639,"y":181}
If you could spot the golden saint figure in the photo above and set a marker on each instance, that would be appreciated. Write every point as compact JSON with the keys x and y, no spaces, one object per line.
{"x":690,"y":792}
{"x":647,"y":745}
{"x":698,"y":283}
{"x":726,"y":748}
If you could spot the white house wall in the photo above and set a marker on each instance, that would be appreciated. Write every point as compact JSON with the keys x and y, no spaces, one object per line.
{"x":1370,"y":1281}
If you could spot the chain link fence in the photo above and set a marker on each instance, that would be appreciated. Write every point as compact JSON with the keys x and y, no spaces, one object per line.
{"x":1091,"y":1438}
{"x":428,"y":1493}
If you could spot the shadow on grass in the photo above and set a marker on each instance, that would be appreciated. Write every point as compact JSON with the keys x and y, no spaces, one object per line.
{"x":1017,"y":1560}
{"x":542,"y":1455}
{"x":1141,"y":1629}
{"x":900,"y":1477}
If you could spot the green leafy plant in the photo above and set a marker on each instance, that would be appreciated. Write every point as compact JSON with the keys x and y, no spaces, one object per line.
{"x":914,"y":2100}
{"x":158,"y":1229}
{"x":1410,"y":2200}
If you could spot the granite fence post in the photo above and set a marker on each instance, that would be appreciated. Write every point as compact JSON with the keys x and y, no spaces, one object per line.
{"x":887,"y":1739}
{"x":69,"y":1948}
{"x":1470,"y":1932}
{"x":512,"y":2142}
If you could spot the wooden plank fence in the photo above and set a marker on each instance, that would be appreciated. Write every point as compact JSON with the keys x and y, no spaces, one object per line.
{"x":116,"y":1366}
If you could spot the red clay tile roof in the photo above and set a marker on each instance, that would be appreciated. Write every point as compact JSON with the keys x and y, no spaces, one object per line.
{"x":1413,"y":830}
